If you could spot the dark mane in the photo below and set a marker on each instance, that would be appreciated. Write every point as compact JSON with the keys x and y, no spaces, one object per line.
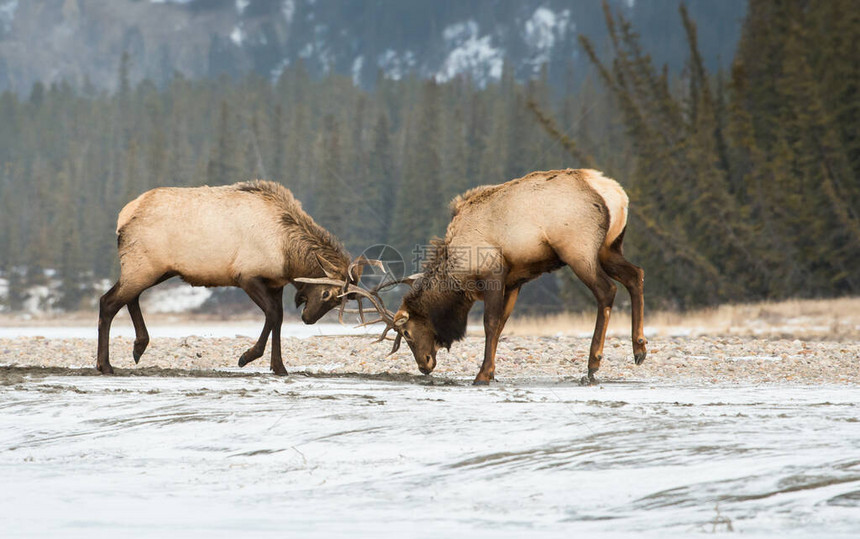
{"x":307,"y":239}
{"x":437,"y":257}
{"x":439,"y":297}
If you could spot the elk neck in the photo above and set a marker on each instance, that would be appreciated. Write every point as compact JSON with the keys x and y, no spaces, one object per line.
{"x":441,"y":298}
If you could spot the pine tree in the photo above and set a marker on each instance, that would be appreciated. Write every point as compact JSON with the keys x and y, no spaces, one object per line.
{"x":222,"y":167}
{"x":329,"y":200}
{"x":422,"y":179}
{"x":380,"y":188}
{"x":278,"y":166}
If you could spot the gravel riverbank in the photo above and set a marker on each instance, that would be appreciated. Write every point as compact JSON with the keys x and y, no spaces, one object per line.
{"x":697,"y":360}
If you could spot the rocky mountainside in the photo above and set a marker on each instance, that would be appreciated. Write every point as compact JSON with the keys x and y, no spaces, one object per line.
{"x":82,"y":41}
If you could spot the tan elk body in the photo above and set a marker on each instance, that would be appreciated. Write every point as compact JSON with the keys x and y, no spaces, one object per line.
{"x":211,"y":236}
{"x":502,"y":236}
{"x":253,"y":235}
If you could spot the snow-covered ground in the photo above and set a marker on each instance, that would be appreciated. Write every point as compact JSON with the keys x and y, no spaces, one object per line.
{"x":254,"y":455}
{"x":212,"y":329}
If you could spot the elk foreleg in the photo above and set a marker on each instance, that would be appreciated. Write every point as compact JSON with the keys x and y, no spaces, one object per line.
{"x":276,"y":298}
{"x":495,"y":303}
{"x":259,"y":294}
{"x":141,"y":335}
{"x":510,"y":300}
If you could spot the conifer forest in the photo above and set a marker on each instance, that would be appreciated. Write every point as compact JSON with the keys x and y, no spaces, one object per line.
{"x":743,"y":181}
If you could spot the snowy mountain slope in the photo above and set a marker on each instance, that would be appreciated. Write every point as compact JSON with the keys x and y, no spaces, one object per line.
{"x":83,"y":40}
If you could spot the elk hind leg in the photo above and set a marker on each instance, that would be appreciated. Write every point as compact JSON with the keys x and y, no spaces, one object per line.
{"x":633,"y":279}
{"x":121,"y":294}
{"x":595,"y":278}
{"x":141,"y":335}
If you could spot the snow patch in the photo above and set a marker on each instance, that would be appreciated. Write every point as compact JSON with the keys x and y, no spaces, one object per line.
{"x":357,"y":64}
{"x":39,"y":299}
{"x":319,"y":48}
{"x":278,"y":70}
{"x":122,"y":327}
{"x":306,"y":51}
{"x":176,"y":299}
{"x":542,"y":31}
{"x":321,"y":41}
{"x":460,"y":32}
{"x":4,"y":291}
{"x":7,"y":14}
{"x":242,"y":5}
{"x":754,"y":358}
{"x":470,"y":54}
{"x":396,"y":65}
{"x":237,"y":36}
{"x":289,"y":10}
{"x":171,"y":1}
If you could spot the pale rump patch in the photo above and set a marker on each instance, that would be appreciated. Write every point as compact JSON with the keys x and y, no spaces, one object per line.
{"x":128,"y":211}
{"x":615,"y":199}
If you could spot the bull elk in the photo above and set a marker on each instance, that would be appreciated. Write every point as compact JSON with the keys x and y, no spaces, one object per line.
{"x":502,"y":236}
{"x":252,"y":235}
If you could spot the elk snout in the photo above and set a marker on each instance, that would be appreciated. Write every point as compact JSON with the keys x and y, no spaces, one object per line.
{"x":429,"y":364}
{"x":309,"y":318}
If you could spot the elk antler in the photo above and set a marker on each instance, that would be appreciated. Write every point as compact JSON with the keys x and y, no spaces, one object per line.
{"x":319,"y":280}
{"x":359,"y":263}
{"x":353,"y":275}
{"x":349,"y":288}
{"x":385,"y":315}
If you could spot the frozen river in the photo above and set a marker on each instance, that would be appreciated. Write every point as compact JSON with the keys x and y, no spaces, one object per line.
{"x":246,"y":454}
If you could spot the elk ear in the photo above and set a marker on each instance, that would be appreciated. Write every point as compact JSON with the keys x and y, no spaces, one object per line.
{"x":400,"y":319}
{"x":412,"y":279}
{"x":329,"y":268}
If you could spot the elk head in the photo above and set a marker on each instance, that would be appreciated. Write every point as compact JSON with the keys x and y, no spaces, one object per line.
{"x":417,"y":330}
{"x":322,"y":294}
{"x":413,"y":327}
{"x":420,"y":336}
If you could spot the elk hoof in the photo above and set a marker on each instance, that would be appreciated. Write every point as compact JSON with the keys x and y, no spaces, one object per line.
{"x":246,"y":358}
{"x":279,"y":371}
{"x":640,"y":357}
{"x":589,"y":380}
{"x":139,"y":349}
{"x":105,"y":369}
{"x":480,"y":382}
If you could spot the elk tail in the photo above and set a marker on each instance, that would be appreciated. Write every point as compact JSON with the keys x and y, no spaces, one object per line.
{"x":616,"y":203}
